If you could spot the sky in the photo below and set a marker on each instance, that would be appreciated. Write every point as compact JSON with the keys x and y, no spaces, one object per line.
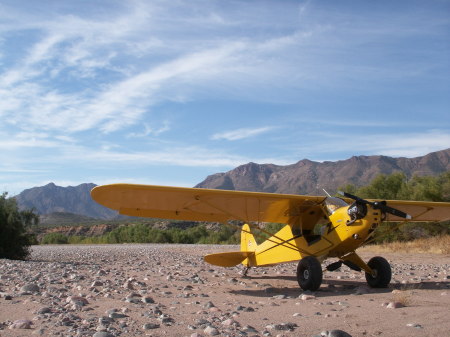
{"x":169,"y":92}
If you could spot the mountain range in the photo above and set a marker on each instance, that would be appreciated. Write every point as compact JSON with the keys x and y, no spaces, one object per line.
{"x":63,"y":202}
{"x":303,"y":177}
{"x":310,"y":177}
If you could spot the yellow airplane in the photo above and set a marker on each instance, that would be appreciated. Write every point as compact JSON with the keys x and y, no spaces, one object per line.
{"x":317,"y":227}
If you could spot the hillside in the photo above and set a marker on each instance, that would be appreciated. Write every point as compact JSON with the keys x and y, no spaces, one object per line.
{"x":65,"y":218}
{"x":56,"y":199}
{"x":310,"y":177}
{"x":73,"y":204}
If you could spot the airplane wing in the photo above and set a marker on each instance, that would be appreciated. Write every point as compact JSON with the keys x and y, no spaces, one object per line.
{"x":197,"y":204}
{"x":420,"y":211}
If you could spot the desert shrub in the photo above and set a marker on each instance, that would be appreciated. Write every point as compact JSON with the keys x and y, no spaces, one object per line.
{"x":14,"y":240}
{"x":145,"y":233}
{"x":54,"y":238}
{"x":225,"y":235}
{"x":270,"y":228}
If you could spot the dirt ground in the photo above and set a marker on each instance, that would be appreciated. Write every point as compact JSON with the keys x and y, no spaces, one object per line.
{"x":168,"y":290}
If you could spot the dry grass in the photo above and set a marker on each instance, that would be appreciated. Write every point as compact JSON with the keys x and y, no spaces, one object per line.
{"x":404,"y":297}
{"x":434,"y":245}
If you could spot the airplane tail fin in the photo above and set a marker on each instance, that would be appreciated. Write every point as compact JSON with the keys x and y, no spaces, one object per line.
{"x":248,"y":242}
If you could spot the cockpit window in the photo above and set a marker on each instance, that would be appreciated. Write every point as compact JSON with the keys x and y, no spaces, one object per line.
{"x":331,"y":204}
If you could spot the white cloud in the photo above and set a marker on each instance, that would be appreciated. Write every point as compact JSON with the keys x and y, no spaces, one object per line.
{"x":240,"y":133}
{"x":409,"y":144}
{"x":176,"y":156}
{"x":24,"y":140}
{"x":150,"y":131}
{"x":394,"y":144}
{"x":93,"y":86}
{"x":167,"y":62}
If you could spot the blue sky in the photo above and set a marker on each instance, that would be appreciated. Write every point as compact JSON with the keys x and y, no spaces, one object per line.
{"x":168,"y":92}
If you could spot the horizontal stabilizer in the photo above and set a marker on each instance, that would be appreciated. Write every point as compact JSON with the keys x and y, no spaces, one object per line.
{"x":229,"y":259}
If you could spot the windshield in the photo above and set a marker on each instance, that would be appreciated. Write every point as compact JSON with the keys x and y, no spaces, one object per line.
{"x":331,"y":204}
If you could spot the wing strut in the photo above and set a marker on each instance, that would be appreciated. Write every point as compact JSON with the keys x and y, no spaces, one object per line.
{"x":282,"y":241}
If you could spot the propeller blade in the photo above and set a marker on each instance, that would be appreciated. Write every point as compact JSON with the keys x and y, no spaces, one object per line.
{"x":381,"y":205}
{"x":351,"y":196}
{"x":385,"y":208}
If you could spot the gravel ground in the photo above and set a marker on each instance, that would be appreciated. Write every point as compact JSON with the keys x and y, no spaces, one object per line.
{"x":168,"y":290}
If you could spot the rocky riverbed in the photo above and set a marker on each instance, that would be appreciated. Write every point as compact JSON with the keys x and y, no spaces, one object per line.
{"x":168,"y":290}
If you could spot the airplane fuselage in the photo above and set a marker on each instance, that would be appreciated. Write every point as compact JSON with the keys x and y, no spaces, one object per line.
{"x":341,"y":235}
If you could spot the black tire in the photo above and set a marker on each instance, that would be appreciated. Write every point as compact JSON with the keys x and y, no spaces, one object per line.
{"x":382,"y":270}
{"x":309,"y":273}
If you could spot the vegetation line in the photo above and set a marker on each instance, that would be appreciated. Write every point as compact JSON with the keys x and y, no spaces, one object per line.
{"x":16,"y":227}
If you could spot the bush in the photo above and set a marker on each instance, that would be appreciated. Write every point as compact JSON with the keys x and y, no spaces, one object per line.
{"x":14,"y":240}
{"x":54,"y":238}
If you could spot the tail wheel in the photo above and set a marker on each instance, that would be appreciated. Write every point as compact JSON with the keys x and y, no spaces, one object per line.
{"x":381,"y":272}
{"x":309,"y":273}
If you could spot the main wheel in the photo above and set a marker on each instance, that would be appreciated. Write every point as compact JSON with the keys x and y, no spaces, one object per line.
{"x":382,"y":272}
{"x":309,"y":273}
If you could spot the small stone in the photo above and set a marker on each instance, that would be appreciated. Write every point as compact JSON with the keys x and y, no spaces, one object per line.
{"x":134,"y":298}
{"x":77,"y":300}
{"x":211,"y":331}
{"x":30,"y":288}
{"x":105,"y":320}
{"x":148,"y":300}
{"x":164,"y":319}
{"x":39,"y":332}
{"x":44,"y":310}
{"x":214,"y":309}
{"x":21,"y":324}
{"x":103,"y":334}
{"x":209,"y":305}
{"x":394,"y":305}
{"x":230,"y":322}
{"x":150,"y":326}
{"x":279,"y":297}
{"x":128,"y":285}
{"x":282,"y":327}
{"x":334,"y":333}
{"x":116,"y":315}
{"x":97,"y":284}
{"x":304,"y":297}
{"x":249,"y":329}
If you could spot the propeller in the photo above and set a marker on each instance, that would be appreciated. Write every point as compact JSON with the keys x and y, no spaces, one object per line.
{"x":381,"y":205}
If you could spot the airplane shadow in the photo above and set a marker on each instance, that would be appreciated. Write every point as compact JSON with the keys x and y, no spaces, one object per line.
{"x":331,"y":288}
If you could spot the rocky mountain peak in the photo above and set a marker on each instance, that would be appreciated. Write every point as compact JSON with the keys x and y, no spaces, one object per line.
{"x":310,"y":177}
{"x":303,"y":177}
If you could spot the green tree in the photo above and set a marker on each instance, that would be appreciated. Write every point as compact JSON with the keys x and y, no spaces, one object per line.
{"x":388,"y":187}
{"x":54,"y":238}
{"x":14,"y":240}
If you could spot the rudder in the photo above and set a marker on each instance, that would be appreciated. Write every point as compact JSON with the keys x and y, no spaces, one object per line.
{"x":248,"y":242}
